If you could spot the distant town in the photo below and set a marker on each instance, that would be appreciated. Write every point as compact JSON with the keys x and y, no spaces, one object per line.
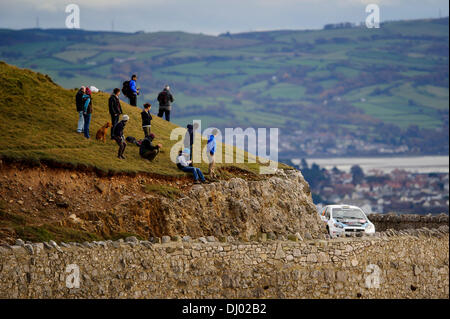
{"x":326,"y":144}
{"x":376,"y":191}
{"x":342,"y":142}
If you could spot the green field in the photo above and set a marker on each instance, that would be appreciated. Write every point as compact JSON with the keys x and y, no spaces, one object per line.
{"x":397,"y":75}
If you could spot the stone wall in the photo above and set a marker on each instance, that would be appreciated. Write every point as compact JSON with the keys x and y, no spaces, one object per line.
{"x":393,"y":264}
{"x":384,"y":222}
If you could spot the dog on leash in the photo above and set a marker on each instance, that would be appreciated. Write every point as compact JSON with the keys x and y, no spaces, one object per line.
{"x":101,"y":133}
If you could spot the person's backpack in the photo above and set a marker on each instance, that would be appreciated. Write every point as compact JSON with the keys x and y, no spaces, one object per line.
{"x":164,"y":98}
{"x":89,"y":108}
{"x":133,"y":140}
{"x":83,"y":102}
{"x":126,"y":88}
{"x":79,"y":101}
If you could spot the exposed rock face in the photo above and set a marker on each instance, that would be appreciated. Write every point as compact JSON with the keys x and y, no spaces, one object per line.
{"x":109,"y":206}
{"x":281,"y":204}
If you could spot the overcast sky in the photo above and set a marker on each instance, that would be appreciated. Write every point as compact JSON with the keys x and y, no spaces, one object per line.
{"x":209,"y":16}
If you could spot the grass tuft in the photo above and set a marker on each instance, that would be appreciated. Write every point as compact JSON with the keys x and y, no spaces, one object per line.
{"x":51,"y":232}
{"x":163,"y":190}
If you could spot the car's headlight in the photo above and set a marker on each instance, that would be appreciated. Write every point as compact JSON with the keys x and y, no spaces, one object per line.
{"x":338,"y":225}
{"x":370,"y":228}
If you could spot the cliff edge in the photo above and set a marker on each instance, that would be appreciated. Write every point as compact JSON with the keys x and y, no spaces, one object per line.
{"x":44,"y":203}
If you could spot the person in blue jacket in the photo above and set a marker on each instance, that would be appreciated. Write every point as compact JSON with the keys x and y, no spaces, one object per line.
{"x":134,"y":91}
{"x":211,"y":149}
{"x":87,"y":111}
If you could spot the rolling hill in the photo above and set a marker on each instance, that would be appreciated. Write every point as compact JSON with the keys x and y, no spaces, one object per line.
{"x":57,"y":185}
{"x":38,"y":124}
{"x":344,"y":90}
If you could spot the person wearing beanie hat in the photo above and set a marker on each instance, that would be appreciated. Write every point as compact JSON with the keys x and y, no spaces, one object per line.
{"x":147,"y":150}
{"x":146,"y":119}
{"x":119,"y":135}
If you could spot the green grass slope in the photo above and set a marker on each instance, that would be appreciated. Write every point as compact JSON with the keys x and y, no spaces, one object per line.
{"x":38,"y":122}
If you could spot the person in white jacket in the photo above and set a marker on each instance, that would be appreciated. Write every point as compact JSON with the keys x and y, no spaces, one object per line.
{"x":183,"y":164}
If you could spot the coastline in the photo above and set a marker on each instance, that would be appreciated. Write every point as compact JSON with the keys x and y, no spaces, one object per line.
{"x":415,"y":164}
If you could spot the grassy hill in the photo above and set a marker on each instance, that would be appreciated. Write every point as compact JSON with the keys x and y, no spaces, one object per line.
{"x":38,"y":123}
{"x":386,"y":86}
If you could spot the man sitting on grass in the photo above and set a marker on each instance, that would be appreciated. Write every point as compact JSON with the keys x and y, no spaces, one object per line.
{"x":183,"y":164}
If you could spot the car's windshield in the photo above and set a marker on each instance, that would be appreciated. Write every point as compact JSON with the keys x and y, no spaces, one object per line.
{"x":352,"y":213}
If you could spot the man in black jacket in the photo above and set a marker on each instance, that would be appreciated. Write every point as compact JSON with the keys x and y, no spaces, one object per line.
{"x":165,"y":98}
{"x":115,"y":109}
{"x":147,"y":150}
{"x":119,"y":137}
{"x":146,"y":119}
{"x":80,"y":105}
{"x":189,"y":138}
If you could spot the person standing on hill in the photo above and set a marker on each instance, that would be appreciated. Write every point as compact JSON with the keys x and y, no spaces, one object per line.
{"x":211,"y":149}
{"x":165,"y":98}
{"x":146,"y":119}
{"x":80,"y":105}
{"x":189,"y":138}
{"x":134,"y":91}
{"x":87,"y":111}
{"x":119,"y":137}
{"x":115,"y":109}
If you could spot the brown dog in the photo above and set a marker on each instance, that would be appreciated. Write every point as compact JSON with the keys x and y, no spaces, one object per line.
{"x":101,"y":133}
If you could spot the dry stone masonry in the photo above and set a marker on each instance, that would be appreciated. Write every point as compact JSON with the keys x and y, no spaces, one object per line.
{"x":384,"y":222}
{"x":253,"y":239}
{"x":394,"y":264}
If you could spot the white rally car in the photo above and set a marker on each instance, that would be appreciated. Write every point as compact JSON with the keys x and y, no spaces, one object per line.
{"x":344,"y":220}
